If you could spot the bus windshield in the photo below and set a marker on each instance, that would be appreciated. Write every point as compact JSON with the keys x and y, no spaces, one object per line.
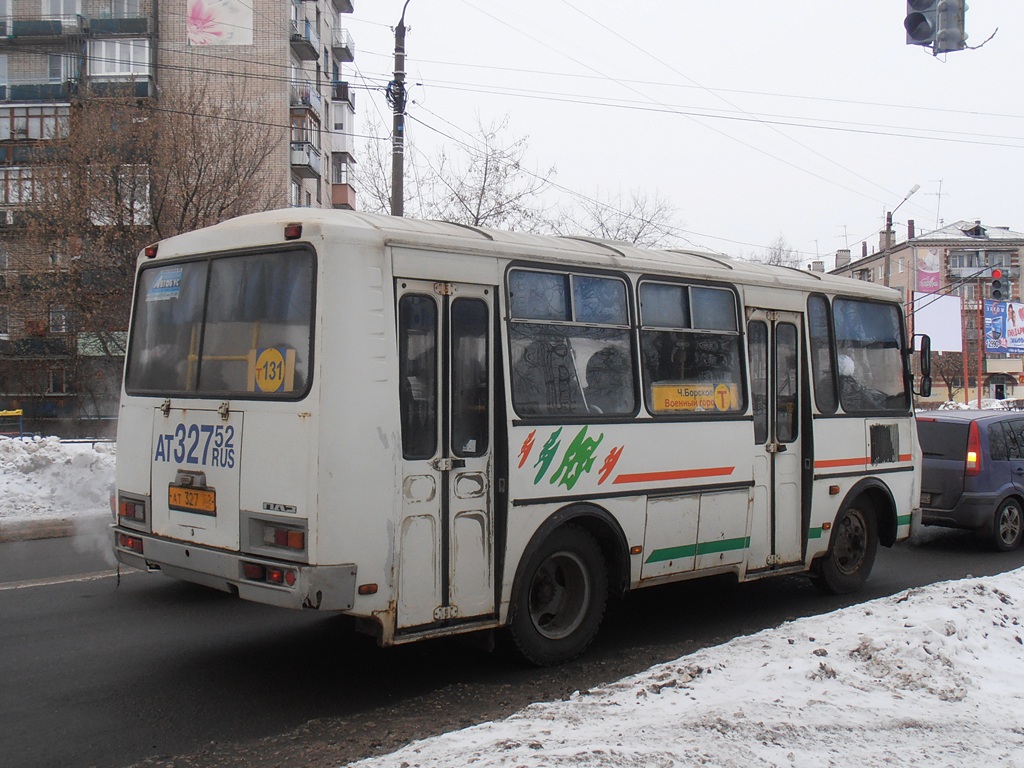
{"x":235,"y":325}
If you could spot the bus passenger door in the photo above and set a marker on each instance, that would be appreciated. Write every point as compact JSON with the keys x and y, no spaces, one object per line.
{"x":445,"y":541}
{"x":776,"y":534}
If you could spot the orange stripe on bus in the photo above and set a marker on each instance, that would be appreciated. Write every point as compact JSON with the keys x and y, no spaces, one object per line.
{"x":675,"y":474}
{"x":842,"y":462}
{"x":855,"y":462}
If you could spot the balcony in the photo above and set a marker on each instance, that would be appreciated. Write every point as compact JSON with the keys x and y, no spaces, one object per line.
{"x":305,"y":95}
{"x":343,"y":196}
{"x":342,"y":6}
{"x":131,"y":26}
{"x":111,"y":86}
{"x":305,"y":160}
{"x":36,"y":89}
{"x":42,"y":27}
{"x":341,"y":45}
{"x":341,"y":91}
{"x":305,"y":41}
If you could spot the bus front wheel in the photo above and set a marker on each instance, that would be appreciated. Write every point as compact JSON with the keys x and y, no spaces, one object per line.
{"x":852,"y":552}
{"x":561,"y":598}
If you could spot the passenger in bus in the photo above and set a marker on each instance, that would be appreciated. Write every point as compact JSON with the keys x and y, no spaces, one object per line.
{"x":853,"y":394}
{"x":609,"y":387}
{"x":544,"y":381}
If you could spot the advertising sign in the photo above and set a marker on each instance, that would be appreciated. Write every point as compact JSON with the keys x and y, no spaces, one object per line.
{"x":1004,"y":326}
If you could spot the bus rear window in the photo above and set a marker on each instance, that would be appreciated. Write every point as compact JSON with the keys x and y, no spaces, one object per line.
{"x":233,"y":325}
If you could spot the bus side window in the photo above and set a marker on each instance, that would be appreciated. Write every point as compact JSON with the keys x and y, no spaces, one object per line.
{"x":819,"y":326}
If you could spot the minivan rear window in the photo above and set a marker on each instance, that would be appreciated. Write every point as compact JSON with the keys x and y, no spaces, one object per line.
{"x":943,"y":439}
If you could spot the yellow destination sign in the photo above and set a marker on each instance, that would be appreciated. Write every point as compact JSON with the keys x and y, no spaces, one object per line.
{"x":694,"y":397}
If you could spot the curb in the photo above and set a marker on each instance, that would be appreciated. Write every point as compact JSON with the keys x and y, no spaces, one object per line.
{"x":30,"y":530}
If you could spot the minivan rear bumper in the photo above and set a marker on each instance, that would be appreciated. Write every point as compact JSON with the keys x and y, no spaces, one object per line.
{"x":974,"y":510}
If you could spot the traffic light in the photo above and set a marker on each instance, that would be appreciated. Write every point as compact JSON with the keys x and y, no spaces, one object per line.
{"x":936,"y":23}
{"x":950,"y":34}
{"x":998,"y":285}
{"x":922,"y":22}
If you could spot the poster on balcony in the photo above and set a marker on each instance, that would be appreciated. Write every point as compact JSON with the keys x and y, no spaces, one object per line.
{"x":928,"y":264}
{"x":1004,"y":326}
{"x":218,"y":22}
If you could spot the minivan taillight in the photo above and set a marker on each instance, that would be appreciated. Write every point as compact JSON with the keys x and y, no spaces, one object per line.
{"x":973,"y":464}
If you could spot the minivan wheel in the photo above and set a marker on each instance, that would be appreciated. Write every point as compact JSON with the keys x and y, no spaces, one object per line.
{"x":1007,"y":526}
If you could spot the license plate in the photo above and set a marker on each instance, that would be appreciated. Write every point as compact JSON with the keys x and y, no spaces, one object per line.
{"x":202,"y":501}
{"x":926,"y":498}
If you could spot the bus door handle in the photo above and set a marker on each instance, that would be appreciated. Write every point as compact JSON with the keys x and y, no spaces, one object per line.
{"x":446,"y":464}
{"x":775,"y":448}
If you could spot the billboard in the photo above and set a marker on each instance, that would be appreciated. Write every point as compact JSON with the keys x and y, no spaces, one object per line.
{"x":1004,"y":326}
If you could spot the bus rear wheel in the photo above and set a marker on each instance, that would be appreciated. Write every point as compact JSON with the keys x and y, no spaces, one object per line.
{"x":561,"y":598}
{"x":852,"y":553}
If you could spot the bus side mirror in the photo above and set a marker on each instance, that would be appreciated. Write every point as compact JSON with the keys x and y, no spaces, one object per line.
{"x":925,"y":364}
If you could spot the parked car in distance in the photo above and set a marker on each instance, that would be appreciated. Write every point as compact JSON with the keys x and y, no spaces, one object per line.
{"x":973,"y":473}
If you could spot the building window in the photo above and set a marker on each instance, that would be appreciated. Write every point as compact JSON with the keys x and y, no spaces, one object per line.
{"x":36,"y":122}
{"x":296,"y":194}
{"x":119,"y":58}
{"x":3,"y":322}
{"x":58,"y":383}
{"x":902,"y":264}
{"x":58,"y":319}
{"x":62,"y":7}
{"x":16,"y":185}
{"x":124,"y":9}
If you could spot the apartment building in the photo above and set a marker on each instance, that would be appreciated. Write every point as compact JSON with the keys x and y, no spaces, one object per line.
{"x":283,"y":60}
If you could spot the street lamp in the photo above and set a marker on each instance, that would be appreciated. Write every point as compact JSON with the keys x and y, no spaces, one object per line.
{"x":888,"y":229}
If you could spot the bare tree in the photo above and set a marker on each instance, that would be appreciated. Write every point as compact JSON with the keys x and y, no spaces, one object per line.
{"x":118,"y":174}
{"x":779,"y":253}
{"x":949,"y":367}
{"x":643,"y":219}
{"x":211,"y":158}
{"x":483,"y":182}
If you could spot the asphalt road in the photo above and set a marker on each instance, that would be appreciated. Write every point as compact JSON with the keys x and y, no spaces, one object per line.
{"x":98,"y":671}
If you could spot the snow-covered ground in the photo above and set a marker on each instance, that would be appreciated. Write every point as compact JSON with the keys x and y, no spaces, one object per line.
{"x":930,"y":677}
{"x":47,"y":479}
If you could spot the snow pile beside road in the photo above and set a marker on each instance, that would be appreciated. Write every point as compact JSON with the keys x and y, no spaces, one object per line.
{"x":47,"y":479}
{"x":930,"y":677}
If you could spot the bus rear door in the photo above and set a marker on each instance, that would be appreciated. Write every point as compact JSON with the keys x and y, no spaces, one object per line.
{"x":445,"y":559}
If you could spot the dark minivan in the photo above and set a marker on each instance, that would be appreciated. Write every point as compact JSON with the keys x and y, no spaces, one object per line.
{"x":973,"y":472}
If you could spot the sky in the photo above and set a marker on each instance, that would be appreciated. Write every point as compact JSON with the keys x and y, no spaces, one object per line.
{"x":805,"y":120}
{"x":928,"y":677}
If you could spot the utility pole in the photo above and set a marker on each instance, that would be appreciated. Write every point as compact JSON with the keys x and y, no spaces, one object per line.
{"x":397,"y":97}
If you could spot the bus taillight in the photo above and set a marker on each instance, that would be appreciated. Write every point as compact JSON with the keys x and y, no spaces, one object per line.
{"x":279,"y":536}
{"x":270,"y":574}
{"x":134,"y":543}
{"x":132,"y":510}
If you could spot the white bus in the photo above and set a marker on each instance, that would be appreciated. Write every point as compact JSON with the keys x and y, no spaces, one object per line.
{"x":440,"y":429}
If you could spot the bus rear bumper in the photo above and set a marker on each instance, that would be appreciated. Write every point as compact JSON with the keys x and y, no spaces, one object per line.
{"x":323,"y":587}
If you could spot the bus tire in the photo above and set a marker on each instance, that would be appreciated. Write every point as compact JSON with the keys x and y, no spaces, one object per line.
{"x":851,"y":553}
{"x":561,"y":598}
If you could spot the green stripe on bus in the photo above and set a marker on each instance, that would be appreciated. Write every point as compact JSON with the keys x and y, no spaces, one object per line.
{"x":703,"y":548}
{"x":814,"y":533}
{"x":903,"y":520}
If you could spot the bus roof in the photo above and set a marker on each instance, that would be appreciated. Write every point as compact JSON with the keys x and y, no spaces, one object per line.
{"x":369,"y":228}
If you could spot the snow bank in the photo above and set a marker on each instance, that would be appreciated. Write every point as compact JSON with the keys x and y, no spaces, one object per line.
{"x":47,"y":479}
{"x":930,"y":677}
